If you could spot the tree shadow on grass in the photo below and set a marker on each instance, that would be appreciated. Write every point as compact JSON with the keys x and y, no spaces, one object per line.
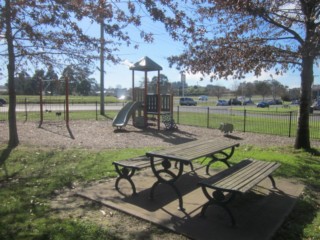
{"x":314,"y":152}
{"x":3,"y":157}
{"x":58,"y":130}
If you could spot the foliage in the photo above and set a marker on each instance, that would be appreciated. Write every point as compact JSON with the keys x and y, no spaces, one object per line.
{"x":263,"y":88}
{"x":79,"y":80}
{"x":232,"y":38}
{"x":48,"y":33}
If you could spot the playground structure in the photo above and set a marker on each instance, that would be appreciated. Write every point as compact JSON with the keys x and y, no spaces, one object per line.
{"x":148,"y":106}
{"x":124,"y":114}
{"x":153,"y":105}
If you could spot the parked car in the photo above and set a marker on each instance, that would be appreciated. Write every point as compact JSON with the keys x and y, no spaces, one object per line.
{"x":263,"y":104}
{"x":122,"y":97}
{"x":295,"y":102}
{"x":248,"y":102}
{"x":316,"y":105}
{"x":234,"y":101}
{"x":187,"y":102}
{"x":222,"y":103}
{"x":203,"y":98}
{"x":2,"y":102}
{"x":275,"y":102}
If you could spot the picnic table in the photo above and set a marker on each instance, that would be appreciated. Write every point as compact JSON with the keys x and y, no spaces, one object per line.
{"x":217,"y":149}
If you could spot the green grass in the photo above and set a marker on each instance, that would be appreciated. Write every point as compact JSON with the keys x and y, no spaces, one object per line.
{"x":28,"y":180}
{"x":30,"y":177}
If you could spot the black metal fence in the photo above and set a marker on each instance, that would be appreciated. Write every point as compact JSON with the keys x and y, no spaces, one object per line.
{"x":270,"y":121}
{"x":283,"y":123}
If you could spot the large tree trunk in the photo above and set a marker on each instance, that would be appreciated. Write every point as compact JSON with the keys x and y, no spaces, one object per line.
{"x":303,"y":132}
{"x":13,"y":132}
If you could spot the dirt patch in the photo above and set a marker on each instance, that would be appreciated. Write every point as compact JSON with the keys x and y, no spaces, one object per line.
{"x":101,"y":135}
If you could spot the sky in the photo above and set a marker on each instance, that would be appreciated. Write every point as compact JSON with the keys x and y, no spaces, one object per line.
{"x":163,"y":47}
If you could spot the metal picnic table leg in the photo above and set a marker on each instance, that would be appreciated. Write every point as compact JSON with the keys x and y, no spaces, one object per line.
{"x":125,"y":173}
{"x":218,"y":198}
{"x":224,"y":159}
{"x":166,"y":164}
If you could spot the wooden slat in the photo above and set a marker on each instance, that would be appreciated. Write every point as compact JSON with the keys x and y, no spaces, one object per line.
{"x":262,"y":176}
{"x":192,"y":150}
{"x":245,"y":177}
{"x":137,"y":163}
{"x":242,"y":176}
{"x":236,"y":180}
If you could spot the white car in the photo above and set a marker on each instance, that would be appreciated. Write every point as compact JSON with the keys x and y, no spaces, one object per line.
{"x":203,"y":98}
{"x":316,"y":105}
{"x":222,"y":103}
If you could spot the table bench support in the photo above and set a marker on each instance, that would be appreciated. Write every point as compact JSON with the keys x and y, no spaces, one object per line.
{"x":127,"y":168}
{"x":125,"y":173}
{"x":166,"y":165}
{"x":184,"y":154}
{"x":220,"y":199}
{"x":217,"y":157}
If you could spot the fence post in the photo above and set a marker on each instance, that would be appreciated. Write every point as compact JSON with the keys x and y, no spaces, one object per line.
{"x":290,"y":119}
{"x":64,"y":110}
{"x":177,"y":114}
{"x":96,"y":110}
{"x":244,"y":120}
{"x":208,"y":111}
{"x":26,"y":109}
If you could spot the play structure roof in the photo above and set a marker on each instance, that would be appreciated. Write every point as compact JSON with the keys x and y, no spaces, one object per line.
{"x":146,"y":64}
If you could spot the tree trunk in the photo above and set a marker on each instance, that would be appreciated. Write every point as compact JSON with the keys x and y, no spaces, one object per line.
{"x":13,"y":132}
{"x":303,"y":133}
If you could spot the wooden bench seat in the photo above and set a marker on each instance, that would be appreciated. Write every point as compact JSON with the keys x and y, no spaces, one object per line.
{"x":127,"y":168}
{"x":239,"y":178}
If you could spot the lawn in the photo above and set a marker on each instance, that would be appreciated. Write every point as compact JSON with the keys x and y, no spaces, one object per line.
{"x":30,"y":178}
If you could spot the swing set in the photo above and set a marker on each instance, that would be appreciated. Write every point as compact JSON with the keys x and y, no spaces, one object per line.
{"x":59,"y":112}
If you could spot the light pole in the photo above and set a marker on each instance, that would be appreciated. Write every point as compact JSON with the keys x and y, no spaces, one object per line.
{"x":183,"y":80}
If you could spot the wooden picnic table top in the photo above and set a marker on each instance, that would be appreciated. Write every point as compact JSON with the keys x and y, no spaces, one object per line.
{"x":195,"y":149}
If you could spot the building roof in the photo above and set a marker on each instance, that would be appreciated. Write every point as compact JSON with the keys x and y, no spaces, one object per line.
{"x":146,"y":64}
